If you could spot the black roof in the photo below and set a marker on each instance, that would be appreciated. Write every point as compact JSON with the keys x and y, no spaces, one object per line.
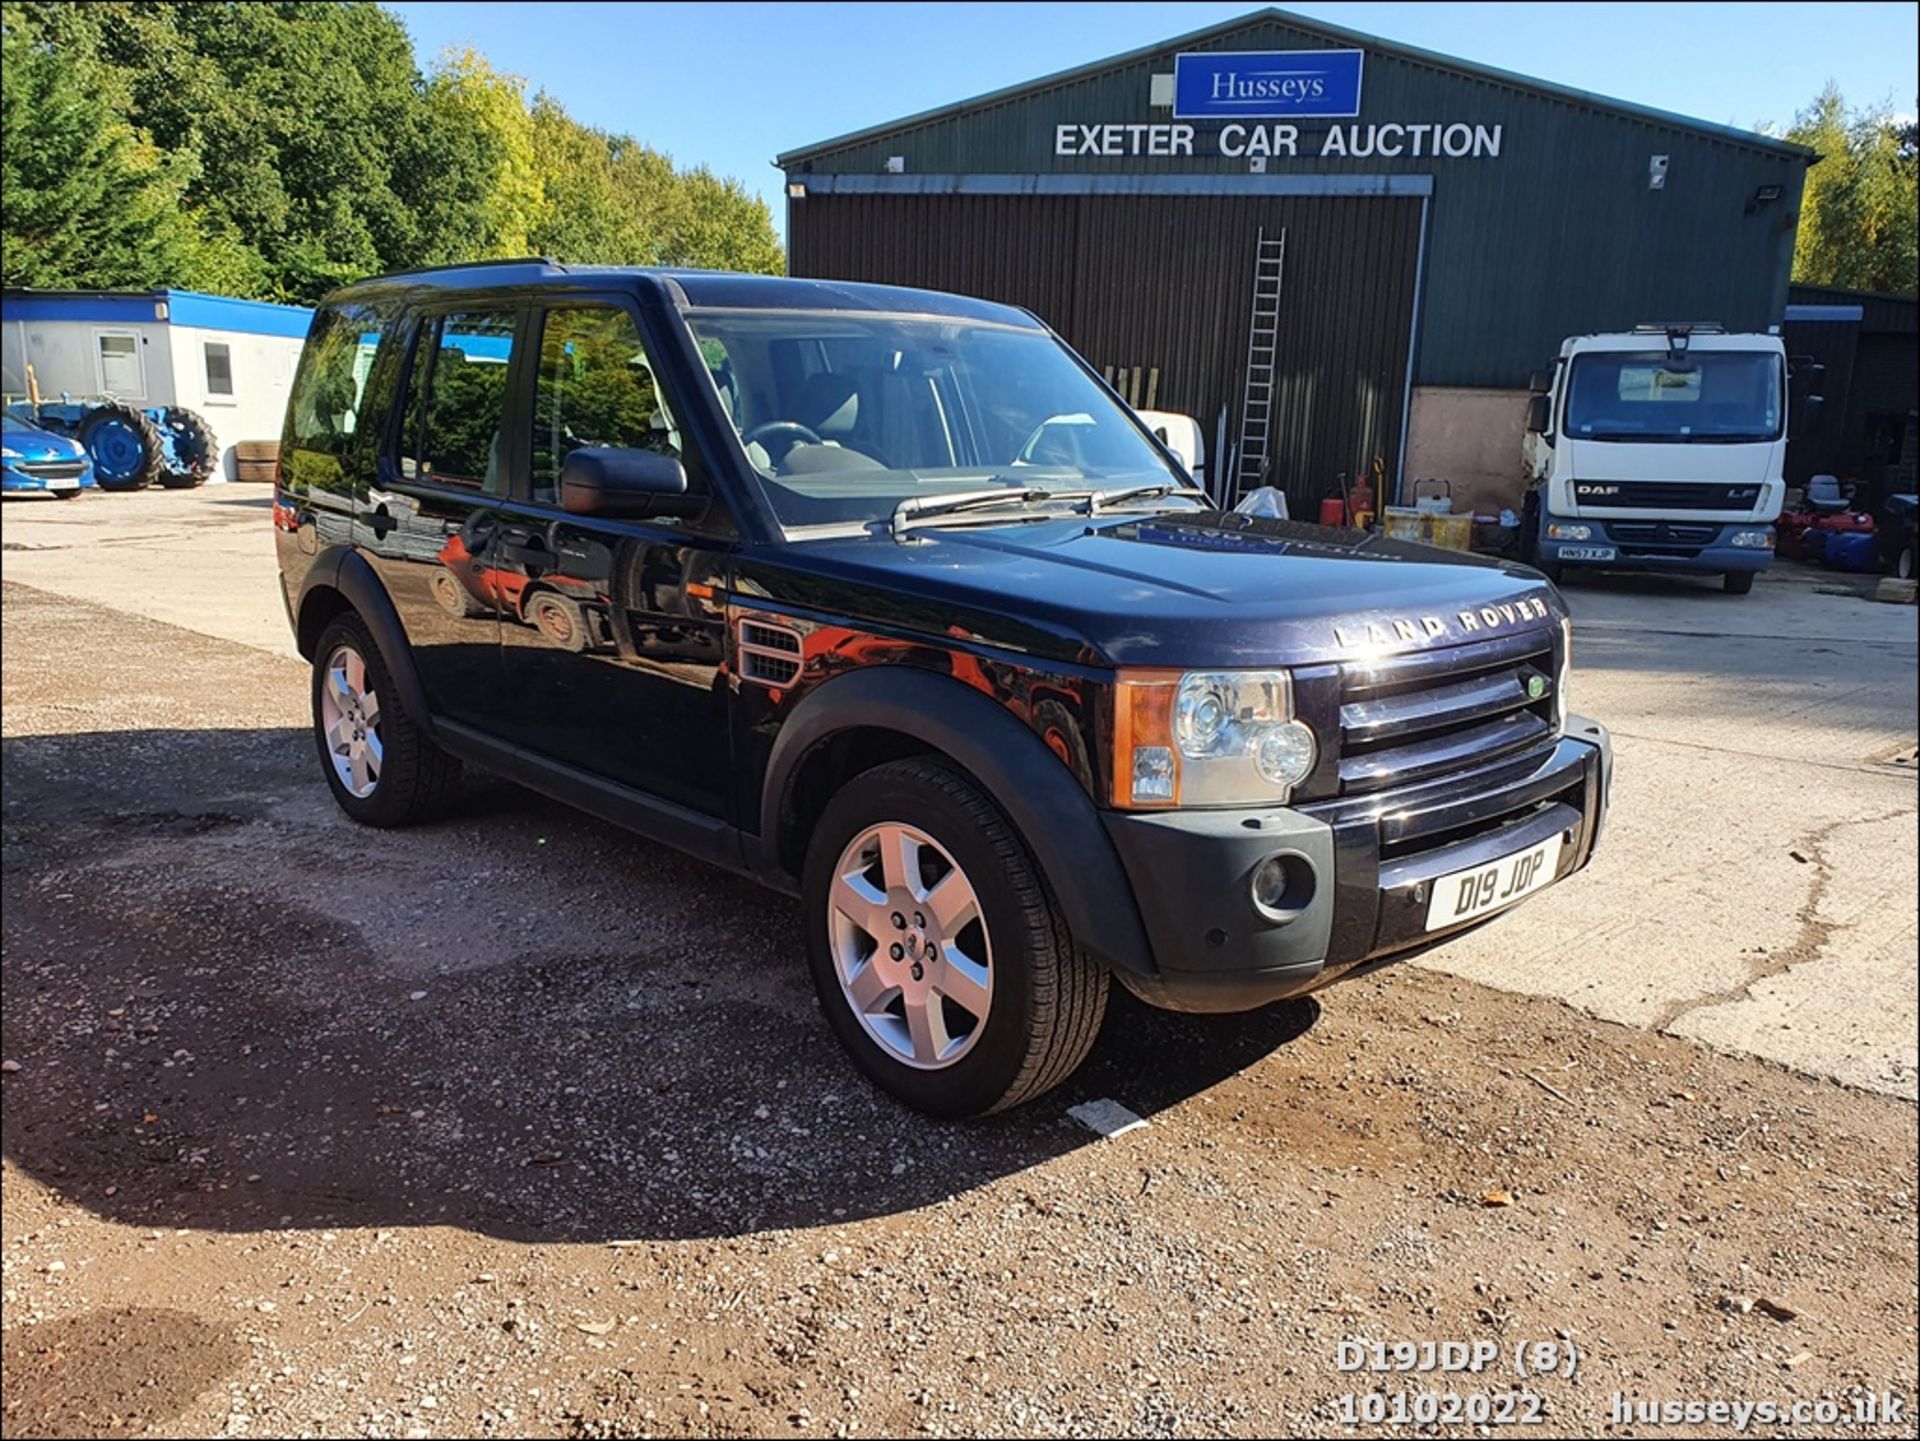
{"x":695,"y":289}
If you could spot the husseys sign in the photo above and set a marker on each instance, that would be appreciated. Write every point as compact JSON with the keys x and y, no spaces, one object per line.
{"x":1229,"y":93}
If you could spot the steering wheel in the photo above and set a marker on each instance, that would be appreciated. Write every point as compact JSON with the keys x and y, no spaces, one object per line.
{"x":798,"y":434}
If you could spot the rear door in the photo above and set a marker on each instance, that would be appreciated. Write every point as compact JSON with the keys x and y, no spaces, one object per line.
{"x":430,"y":522}
{"x":613,"y":658}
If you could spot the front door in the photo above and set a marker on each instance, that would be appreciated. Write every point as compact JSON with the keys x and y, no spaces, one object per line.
{"x":614,"y":643}
{"x":429,"y":519}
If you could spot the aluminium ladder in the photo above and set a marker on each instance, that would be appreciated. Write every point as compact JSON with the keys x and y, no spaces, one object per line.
{"x":1256,"y":405}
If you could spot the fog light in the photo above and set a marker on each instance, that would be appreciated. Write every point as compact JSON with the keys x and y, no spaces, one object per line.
{"x":1754,"y":539}
{"x":1558,"y":530}
{"x":1283,"y":886}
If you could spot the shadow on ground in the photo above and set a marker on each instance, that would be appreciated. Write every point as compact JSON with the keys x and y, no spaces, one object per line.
{"x":608,"y":1041}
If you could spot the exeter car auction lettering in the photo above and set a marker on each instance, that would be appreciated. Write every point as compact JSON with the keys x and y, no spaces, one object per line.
{"x":1393,"y":140}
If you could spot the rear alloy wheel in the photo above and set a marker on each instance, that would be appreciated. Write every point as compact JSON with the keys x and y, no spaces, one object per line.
{"x":938,"y":952}
{"x":380,"y":765}
{"x":1903,"y":567}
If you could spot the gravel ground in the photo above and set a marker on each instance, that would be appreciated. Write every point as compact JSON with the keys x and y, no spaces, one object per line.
{"x":516,"y":1124}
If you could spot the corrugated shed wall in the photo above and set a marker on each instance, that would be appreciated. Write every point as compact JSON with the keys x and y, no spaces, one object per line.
{"x":1136,"y":284}
{"x":1558,"y":235}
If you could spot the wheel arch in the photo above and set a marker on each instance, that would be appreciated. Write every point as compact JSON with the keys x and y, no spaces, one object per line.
{"x":341,"y":580}
{"x":883,"y":713}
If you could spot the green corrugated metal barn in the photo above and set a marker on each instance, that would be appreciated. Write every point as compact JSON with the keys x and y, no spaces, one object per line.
{"x":1321,"y":277}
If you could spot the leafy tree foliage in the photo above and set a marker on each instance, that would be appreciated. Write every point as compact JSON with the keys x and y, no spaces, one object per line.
{"x":1858,"y":217}
{"x":276,"y":150}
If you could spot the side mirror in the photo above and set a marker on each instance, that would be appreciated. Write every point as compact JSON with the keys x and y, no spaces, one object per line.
{"x":1540,"y":382}
{"x":1539,"y":414}
{"x":625,"y":484}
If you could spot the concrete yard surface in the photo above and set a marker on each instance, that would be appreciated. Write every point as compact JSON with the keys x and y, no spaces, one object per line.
{"x":516,"y":1124}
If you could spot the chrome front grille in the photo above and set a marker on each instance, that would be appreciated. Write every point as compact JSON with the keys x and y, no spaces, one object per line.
{"x":1415,"y":718}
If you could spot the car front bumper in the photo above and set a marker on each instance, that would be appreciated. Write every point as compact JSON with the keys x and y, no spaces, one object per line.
{"x":1373,"y":860}
{"x":1683,"y":547}
{"x":29,"y":475}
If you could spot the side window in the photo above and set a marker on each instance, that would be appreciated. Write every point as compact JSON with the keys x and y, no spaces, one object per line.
{"x":456,"y":402}
{"x":596,"y":388}
{"x":332,"y":378}
{"x":120,"y":365}
{"x":219,"y":360}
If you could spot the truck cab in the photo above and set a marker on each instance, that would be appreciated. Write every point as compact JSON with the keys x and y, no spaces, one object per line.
{"x":1660,"y":449}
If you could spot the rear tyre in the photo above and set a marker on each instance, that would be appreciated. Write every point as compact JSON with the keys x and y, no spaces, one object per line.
{"x":196,"y":451}
{"x":1903,"y":567}
{"x":1738,"y":582}
{"x":124,"y":446}
{"x":378,"y":761}
{"x":940,"y":956}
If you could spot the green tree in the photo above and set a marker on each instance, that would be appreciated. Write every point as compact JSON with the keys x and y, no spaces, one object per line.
{"x":501,"y":202}
{"x":1860,"y":215}
{"x":84,"y":202}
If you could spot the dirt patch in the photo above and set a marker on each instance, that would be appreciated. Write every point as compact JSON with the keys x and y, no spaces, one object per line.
{"x":122,"y":1372}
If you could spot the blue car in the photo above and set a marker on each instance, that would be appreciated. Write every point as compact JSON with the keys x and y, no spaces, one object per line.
{"x":38,"y":460}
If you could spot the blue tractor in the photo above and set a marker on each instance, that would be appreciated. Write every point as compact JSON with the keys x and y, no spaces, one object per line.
{"x":132,"y":448}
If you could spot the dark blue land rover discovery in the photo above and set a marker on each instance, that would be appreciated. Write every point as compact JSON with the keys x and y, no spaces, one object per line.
{"x":884,"y":598}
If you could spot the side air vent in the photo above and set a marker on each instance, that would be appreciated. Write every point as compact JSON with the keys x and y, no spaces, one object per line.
{"x":769,"y":654}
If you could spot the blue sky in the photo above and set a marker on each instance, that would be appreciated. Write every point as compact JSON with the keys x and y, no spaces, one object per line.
{"x":731,"y":86}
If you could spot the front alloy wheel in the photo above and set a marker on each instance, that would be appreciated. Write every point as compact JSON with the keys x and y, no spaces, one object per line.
{"x":910,"y":947}
{"x":938,"y":951}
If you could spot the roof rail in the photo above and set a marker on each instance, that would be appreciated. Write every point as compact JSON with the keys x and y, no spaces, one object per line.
{"x":495,"y":264}
{"x":1687,"y":327}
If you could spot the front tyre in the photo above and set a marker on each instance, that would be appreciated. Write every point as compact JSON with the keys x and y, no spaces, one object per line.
{"x":379,"y":763}
{"x":938,"y":952}
{"x":1737,"y":582}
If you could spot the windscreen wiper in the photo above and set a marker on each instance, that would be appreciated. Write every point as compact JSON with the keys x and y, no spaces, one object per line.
{"x":1100,"y":499}
{"x":916,"y":507}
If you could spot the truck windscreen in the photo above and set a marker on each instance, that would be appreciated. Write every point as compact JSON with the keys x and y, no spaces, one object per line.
{"x":1723,"y":395}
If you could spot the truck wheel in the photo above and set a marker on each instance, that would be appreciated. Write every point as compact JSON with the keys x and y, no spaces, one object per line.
{"x":124,"y":446}
{"x":939,"y":954}
{"x":1738,"y":582}
{"x":381,"y":767}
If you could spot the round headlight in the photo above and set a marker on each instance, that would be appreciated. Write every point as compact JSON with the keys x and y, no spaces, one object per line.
{"x":1286,"y":753}
{"x":1199,"y":715}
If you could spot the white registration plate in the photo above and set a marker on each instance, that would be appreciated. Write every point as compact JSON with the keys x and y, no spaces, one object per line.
{"x":1586,"y":552}
{"x":1466,"y":894}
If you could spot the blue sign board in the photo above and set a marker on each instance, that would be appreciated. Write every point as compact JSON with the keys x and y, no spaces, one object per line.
{"x":1266,"y":84}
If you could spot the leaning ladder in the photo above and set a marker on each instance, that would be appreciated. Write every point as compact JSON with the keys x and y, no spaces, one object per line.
{"x":1256,"y":405}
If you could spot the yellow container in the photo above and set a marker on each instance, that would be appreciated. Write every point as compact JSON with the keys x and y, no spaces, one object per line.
{"x":1455,"y":532}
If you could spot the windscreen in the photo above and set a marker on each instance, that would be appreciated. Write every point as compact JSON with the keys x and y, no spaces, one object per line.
{"x":846,"y":415}
{"x":1722,"y":395}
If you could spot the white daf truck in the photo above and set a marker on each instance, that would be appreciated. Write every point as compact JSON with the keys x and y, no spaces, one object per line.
{"x":1659,"y":448}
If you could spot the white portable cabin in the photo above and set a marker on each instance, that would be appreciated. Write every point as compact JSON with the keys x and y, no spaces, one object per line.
{"x":231,"y":360}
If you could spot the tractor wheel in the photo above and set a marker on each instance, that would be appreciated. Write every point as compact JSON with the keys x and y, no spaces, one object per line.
{"x":196,"y":452}
{"x":124,"y":446}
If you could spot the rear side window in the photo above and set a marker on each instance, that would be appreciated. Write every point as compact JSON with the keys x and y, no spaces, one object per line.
{"x":332,"y":382}
{"x":596,"y":388}
{"x":456,"y":401}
